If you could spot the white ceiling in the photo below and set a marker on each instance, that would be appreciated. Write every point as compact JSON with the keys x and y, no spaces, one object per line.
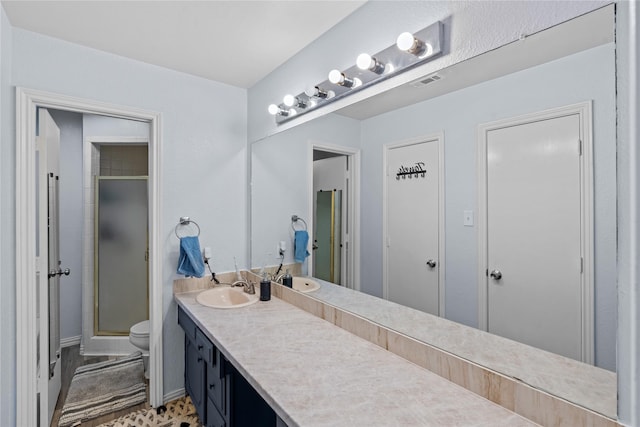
{"x":234,"y":42}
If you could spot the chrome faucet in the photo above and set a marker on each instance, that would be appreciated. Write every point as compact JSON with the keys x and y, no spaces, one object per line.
{"x":249,"y":287}
{"x":278,"y":278}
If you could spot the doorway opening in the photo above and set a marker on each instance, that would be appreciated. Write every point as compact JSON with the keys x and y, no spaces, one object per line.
{"x":31,"y":390}
{"x":333,"y":200}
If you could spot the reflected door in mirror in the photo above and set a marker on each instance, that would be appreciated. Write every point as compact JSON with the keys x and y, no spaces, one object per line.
{"x":412,"y":210}
{"x":534,"y":234}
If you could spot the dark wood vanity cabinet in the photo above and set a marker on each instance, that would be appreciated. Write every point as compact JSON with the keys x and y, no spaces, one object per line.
{"x":221,"y":395}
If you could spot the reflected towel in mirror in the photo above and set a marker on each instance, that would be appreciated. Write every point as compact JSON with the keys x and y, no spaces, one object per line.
{"x":190,"y":262}
{"x":300,"y":242}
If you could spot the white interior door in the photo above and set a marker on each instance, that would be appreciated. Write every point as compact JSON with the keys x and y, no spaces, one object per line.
{"x":48,"y":262}
{"x":413,"y":258}
{"x":534,"y":243}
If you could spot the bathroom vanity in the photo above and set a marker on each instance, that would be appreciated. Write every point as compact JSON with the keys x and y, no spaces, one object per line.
{"x":219,"y":392}
{"x":309,"y":372}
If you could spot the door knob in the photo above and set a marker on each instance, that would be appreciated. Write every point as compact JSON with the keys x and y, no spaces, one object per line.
{"x":496,"y":274}
{"x":431,"y":263}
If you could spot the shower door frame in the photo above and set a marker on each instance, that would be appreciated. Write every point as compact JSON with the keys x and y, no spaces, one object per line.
{"x":27,"y":324}
{"x":94,"y":344}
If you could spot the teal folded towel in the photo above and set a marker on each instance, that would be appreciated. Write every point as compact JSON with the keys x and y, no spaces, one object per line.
{"x":190,"y":262}
{"x":300,"y":242}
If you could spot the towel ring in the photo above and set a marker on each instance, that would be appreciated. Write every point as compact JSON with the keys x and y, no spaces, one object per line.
{"x":184,"y":221}
{"x":296,"y":218}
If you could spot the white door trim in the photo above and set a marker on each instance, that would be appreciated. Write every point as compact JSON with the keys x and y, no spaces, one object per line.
{"x":353,"y":201}
{"x":27,"y":100}
{"x":439,"y":137}
{"x":583,"y":110}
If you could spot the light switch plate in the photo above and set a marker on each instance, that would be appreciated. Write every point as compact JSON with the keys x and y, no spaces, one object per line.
{"x":468,"y":218}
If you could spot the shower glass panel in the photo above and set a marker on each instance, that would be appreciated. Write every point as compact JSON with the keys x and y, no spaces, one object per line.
{"x":328,"y":243}
{"x":121,"y":254}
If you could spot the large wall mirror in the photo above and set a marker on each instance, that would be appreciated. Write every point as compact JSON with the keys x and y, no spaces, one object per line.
{"x":568,"y":66}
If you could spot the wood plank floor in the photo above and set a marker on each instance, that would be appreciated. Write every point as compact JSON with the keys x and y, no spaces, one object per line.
{"x":71,"y":359}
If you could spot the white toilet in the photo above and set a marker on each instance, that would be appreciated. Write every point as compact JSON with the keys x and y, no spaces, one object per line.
{"x":139,"y":337}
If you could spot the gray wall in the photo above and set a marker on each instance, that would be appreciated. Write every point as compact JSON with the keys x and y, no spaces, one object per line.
{"x":280,"y":182}
{"x":472,"y":28}
{"x":585,"y":76}
{"x":204,"y":142}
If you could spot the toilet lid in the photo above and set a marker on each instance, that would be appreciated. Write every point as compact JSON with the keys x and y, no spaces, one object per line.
{"x":141,"y":328}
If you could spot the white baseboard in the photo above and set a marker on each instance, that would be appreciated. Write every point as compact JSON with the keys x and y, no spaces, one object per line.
{"x":176,"y":394}
{"x":71,"y":341}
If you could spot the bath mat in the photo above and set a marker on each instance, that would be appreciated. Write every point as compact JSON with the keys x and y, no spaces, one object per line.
{"x":102,"y":388}
{"x":177,"y":413}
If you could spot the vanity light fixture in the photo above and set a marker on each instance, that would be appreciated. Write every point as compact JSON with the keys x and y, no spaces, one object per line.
{"x":337,"y":77}
{"x":411,"y":44}
{"x":423,"y":45}
{"x":368,"y":62}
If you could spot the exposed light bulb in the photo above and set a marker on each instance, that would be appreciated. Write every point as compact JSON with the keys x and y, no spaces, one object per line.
{"x":315,"y":92}
{"x":289,"y":100}
{"x":276,"y":110}
{"x":367,"y":62}
{"x":338,"y":78}
{"x":293,"y":101}
{"x":406,"y":41}
{"x":273,"y":109}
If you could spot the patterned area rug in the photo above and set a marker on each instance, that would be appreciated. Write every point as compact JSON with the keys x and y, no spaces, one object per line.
{"x":102,"y":388}
{"x":177,"y":413}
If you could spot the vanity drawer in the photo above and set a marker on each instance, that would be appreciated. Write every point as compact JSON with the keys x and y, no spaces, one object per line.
{"x":214,"y":418}
{"x":205,"y":347}
{"x":187,"y":324}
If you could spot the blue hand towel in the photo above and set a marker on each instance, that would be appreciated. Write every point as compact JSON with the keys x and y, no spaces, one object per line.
{"x":300,"y":241}
{"x":190,"y":262}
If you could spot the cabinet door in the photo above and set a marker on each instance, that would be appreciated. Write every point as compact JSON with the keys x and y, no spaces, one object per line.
{"x":248,"y":408}
{"x":194,"y":378}
{"x":216,"y":384}
{"x":214,"y":419}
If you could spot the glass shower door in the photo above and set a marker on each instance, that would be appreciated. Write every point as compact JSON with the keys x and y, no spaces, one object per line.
{"x":328,"y":253}
{"x":121,"y":254}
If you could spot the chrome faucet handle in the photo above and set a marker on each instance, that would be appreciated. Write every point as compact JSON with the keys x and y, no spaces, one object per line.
{"x":250,"y":288}
{"x":247,"y":287}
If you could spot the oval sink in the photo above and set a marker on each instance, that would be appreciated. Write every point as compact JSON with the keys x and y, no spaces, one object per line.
{"x":226,"y":297}
{"x":305,"y":284}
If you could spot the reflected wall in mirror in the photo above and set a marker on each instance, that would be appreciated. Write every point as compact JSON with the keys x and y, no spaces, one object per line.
{"x":521,"y":78}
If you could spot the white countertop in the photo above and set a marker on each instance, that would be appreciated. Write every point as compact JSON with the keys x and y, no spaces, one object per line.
{"x":585,"y":385}
{"x":313,"y":373}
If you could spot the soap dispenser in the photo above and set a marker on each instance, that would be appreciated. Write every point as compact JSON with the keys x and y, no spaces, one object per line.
{"x":287,"y":280}
{"x":265,"y":288}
